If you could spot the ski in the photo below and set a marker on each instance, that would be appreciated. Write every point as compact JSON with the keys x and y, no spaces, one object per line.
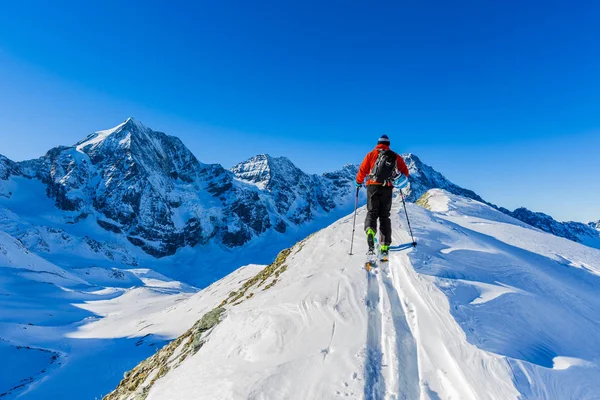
{"x":370,"y":264}
{"x":371,"y":261}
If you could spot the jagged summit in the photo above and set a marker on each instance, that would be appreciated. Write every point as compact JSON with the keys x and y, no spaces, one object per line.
{"x":135,"y":139}
{"x":97,"y":138}
{"x":133,"y":146}
{"x":264,"y":170}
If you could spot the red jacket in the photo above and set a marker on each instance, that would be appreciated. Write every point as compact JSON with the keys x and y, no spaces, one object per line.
{"x":369,"y":162}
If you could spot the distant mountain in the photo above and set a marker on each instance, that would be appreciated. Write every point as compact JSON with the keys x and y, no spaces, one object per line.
{"x":148,"y":187}
{"x":576,"y":231}
{"x":295,"y":195}
{"x":569,"y":230}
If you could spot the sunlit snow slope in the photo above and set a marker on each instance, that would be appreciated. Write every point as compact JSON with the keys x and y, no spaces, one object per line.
{"x":485,"y":307}
{"x":71,"y":334}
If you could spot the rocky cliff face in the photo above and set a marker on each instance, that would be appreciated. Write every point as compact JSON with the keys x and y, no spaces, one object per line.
{"x":296,"y":196}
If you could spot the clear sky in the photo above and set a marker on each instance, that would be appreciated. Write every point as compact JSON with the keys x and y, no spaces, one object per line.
{"x":503,"y":97}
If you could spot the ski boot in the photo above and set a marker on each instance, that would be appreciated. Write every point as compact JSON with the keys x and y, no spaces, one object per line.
{"x":384,"y":253}
{"x":371,"y":240}
{"x":371,"y":253}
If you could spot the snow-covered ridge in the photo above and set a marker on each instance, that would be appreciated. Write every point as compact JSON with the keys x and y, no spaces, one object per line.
{"x":485,"y":307}
{"x":96,"y":138}
{"x":7,"y":168}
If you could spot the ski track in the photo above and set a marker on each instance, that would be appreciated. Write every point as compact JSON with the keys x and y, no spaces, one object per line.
{"x":407,"y":367}
{"x":374,"y":383}
{"x":395,"y":345}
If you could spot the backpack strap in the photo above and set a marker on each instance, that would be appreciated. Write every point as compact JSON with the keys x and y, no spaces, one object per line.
{"x":379,"y":151}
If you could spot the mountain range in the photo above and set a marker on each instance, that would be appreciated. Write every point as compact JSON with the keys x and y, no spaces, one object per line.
{"x":149,"y":188}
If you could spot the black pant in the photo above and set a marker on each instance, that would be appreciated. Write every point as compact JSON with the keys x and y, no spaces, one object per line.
{"x":379,"y":205}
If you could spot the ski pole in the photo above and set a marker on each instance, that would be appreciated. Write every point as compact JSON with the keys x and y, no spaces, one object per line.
{"x":354,"y":222}
{"x":414,"y":243}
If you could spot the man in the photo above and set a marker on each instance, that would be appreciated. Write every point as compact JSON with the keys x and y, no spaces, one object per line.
{"x":381,"y":167}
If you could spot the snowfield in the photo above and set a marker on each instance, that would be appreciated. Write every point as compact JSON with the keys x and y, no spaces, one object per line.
{"x":66,"y":337}
{"x":485,"y":307}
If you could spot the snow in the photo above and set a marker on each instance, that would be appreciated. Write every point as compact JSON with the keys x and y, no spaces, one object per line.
{"x":470,"y":313}
{"x":14,"y":255}
{"x":485,"y":307}
{"x":484,"y":301}
{"x":98,"y":137}
{"x":60,"y":331}
{"x":488,"y":292}
{"x":561,"y":363}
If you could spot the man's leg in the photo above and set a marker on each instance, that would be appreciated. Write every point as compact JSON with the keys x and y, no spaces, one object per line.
{"x":385,"y":207}
{"x":372,"y":214}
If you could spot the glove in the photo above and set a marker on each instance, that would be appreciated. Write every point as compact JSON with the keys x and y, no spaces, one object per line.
{"x":358,"y":185}
{"x":401,"y":182}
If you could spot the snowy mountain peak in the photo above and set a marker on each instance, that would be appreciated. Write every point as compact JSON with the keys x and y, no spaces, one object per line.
{"x":120,"y":134}
{"x":133,"y":145}
{"x":263,"y":170}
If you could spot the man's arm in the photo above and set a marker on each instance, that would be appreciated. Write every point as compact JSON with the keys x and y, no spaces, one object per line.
{"x":365,"y":169}
{"x":402,"y":165}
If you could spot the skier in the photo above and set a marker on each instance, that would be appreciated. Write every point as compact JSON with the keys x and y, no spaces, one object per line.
{"x":381,"y":167}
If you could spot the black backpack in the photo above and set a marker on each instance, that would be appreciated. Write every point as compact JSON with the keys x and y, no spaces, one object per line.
{"x":384,"y":169}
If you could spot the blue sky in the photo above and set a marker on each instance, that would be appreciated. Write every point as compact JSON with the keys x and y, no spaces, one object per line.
{"x":501,"y":97}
